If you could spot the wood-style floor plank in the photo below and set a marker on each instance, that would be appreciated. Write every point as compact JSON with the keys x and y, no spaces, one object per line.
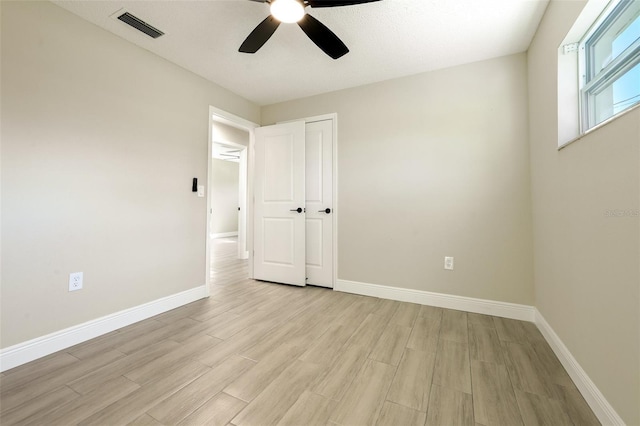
{"x":75,"y":411}
{"x":484,"y":344}
{"x":391,"y":344}
{"x":172,"y":360}
{"x":217,"y":411}
{"x":250,"y":384}
{"x":97,"y":377}
{"x":454,"y":326}
{"x":425,"y":334}
{"x":540,"y":410}
{"x":309,"y":409}
{"x":337,"y":379}
{"x":369,"y":331}
{"x":25,"y":373}
{"x":363,"y":400}
{"x":145,"y":420}
{"x":452,"y":368}
{"x":34,"y":411}
{"x":510,"y":330}
{"x":274,"y":402}
{"x":526,"y":371}
{"x":493,"y":399}
{"x":181,"y":404}
{"x":412,"y":383}
{"x":480,"y":320}
{"x":30,"y":391}
{"x":427,"y":311}
{"x":394,"y":414}
{"x":114,"y":339}
{"x":406,"y":314}
{"x":328,"y":345}
{"x":136,"y":403}
{"x":449,"y":407}
{"x":573,"y":403}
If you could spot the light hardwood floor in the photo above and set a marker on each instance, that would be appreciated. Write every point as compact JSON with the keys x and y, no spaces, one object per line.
{"x":263,"y":354}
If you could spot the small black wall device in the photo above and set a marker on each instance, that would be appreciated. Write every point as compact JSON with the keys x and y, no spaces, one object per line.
{"x":194,"y":188}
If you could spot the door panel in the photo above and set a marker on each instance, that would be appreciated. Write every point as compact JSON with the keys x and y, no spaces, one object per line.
{"x":319,"y":197}
{"x":279,"y":230}
{"x":279,"y":168}
{"x":313,"y":166}
{"x":279,"y":236}
{"x":314,"y":243}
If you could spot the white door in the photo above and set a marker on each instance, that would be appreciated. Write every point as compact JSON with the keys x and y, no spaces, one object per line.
{"x":279,"y":217}
{"x":319,"y":202}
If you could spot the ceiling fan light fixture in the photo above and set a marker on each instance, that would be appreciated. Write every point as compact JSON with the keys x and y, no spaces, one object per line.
{"x":287,"y":11}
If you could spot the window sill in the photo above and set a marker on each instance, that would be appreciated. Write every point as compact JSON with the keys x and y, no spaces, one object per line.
{"x":594,"y":128}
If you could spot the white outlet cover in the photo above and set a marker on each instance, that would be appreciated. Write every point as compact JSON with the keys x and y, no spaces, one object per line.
{"x":201,"y":191}
{"x":75,"y":281}
{"x":448,"y":263}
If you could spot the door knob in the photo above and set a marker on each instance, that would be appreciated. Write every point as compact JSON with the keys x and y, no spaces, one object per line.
{"x":299,"y":210}
{"x":327,"y":211}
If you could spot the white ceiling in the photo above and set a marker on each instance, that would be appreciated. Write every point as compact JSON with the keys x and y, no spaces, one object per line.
{"x":387,"y":39}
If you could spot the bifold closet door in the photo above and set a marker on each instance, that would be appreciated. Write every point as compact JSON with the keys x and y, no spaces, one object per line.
{"x":279,"y":207}
{"x":319,"y":202}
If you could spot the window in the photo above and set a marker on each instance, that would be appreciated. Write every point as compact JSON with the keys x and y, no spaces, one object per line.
{"x":609,"y":56}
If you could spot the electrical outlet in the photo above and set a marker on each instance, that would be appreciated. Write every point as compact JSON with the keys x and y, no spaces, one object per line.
{"x":75,"y":281}
{"x":448,"y":263}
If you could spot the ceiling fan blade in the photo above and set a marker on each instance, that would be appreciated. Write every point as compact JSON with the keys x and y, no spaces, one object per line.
{"x":260,"y":35}
{"x":334,"y":3}
{"x":323,"y":37}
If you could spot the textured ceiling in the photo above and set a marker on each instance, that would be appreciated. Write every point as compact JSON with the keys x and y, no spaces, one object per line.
{"x":387,"y":39}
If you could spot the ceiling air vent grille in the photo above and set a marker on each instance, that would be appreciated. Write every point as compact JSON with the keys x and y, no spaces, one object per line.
{"x":140,"y":25}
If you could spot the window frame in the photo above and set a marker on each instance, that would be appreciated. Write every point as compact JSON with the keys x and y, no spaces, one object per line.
{"x":592,"y":83}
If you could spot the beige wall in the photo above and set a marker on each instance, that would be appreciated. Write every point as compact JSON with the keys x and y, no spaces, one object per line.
{"x":429,"y":166}
{"x":224,"y":196}
{"x":587,"y":277}
{"x":225,"y":133}
{"x":100,"y":142}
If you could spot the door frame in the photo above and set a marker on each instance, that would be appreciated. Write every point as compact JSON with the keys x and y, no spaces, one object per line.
{"x":334,"y":164}
{"x":224,"y":117}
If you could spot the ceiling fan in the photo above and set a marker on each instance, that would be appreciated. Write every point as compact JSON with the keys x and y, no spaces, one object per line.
{"x":290,"y":11}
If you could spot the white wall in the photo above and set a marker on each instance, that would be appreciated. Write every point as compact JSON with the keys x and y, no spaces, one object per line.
{"x":100,"y":142}
{"x":224,"y":196}
{"x":429,"y":166}
{"x":587,"y":276}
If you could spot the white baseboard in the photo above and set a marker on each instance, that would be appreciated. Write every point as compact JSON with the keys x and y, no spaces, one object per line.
{"x":22,"y":353}
{"x":225,"y":234}
{"x":460,"y":303}
{"x":596,"y":400}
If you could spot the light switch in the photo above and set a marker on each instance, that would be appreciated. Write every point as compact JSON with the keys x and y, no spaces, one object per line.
{"x":201,"y":191}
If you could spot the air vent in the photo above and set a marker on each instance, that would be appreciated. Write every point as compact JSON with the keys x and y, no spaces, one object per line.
{"x":140,"y":25}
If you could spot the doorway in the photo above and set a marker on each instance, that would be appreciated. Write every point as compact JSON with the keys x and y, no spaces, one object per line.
{"x":229,"y":189}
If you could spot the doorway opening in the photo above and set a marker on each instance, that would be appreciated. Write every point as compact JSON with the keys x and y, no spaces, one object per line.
{"x":229,"y":189}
